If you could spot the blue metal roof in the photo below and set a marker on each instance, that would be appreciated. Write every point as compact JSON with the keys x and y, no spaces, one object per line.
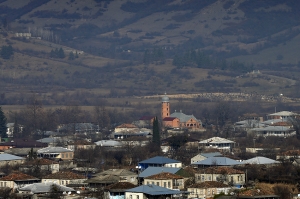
{"x":159,"y":160}
{"x":217,"y":161}
{"x":7,"y":157}
{"x":153,"y":190}
{"x":156,"y":170}
{"x":208,"y":155}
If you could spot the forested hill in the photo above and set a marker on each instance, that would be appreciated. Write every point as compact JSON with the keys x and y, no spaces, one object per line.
{"x":203,"y":45}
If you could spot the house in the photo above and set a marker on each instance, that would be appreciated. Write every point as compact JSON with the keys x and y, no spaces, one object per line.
{"x":165,"y":179}
{"x":159,"y":161}
{"x":260,"y":161}
{"x":8,"y":159}
{"x":56,"y":152}
{"x":147,"y":133}
{"x":117,"y":190}
{"x":282,"y":115}
{"x":144,"y":122}
{"x":64,"y":178}
{"x":177,"y":119}
{"x":16,"y":180}
{"x":151,"y":192}
{"x":218,"y":143}
{"x":125,"y":127}
{"x":109,"y":143}
{"x":227,"y":175}
{"x":102,"y":181}
{"x":36,"y":189}
{"x":216,"y":161}
{"x":203,"y":156}
{"x":207,"y":189}
{"x":80,"y":144}
{"x":260,"y":191}
{"x":123,"y":174}
{"x":43,"y":164}
{"x":82,"y":128}
{"x":55,"y":141}
{"x":22,"y":152}
{"x":10,"y":127}
{"x":280,"y":131}
{"x":288,"y":155}
{"x":21,"y":143}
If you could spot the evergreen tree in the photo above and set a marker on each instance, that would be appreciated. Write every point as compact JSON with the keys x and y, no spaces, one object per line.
{"x":6,"y":52}
{"x":61,"y":53}
{"x":3,"y":127}
{"x":71,"y":56}
{"x":156,"y":134}
{"x":76,"y":55}
{"x":52,"y":54}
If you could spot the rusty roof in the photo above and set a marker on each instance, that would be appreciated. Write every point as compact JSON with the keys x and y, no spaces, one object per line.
{"x":18,"y":176}
{"x":221,"y":170}
{"x":163,"y":176}
{"x":209,"y":184}
{"x":64,"y":175}
{"x":120,"y":186}
{"x":126,"y":126}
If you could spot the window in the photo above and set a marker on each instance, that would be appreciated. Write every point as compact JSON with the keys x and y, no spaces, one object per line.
{"x":137,"y":197}
{"x":157,"y":183}
{"x":130,"y":196}
{"x":209,"y":178}
{"x":202,"y":178}
{"x":175,"y":165}
{"x":62,"y":155}
{"x":165,"y":184}
{"x":148,"y":182}
{"x":62,"y":182}
{"x":66,"y":155}
{"x":152,"y":182}
{"x":169,"y":184}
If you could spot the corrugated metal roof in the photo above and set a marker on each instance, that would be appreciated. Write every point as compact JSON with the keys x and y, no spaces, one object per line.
{"x":260,"y":160}
{"x":216,"y":140}
{"x":44,"y":187}
{"x":183,"y":117}
{"x":53,"y":150}
{"x":7,"y":157}
{"x":159,"y":160}
{"x":108,"y":143}
{"x":153,"y":190}
{"x":208,"y":155}
{"x":217,"y":161}
{"x":155,"y":170}
{"x":272,"y":128}
{"x":283,"y":113}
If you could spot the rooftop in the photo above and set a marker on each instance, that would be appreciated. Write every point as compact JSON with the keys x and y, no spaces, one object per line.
{"x":164,"y":176}
{"x":120,"y":186}
{"x":209,"y":184}
{"x":153,"y":190}
{"x":8,"y":157}
{"x":44,"y":187}
{"x":64,"y":175}
{"x":117,"y":172}
{"x":18,"y":176}
{"x":54,"y":150}
{"x":155,"y":170}
{"x":216,"y":140}
{"x":159,"y":160}
{"x":222,"y":170}
{"x":127,"y":126}
{"x":260,"y":160}
{"x":217,"y":161}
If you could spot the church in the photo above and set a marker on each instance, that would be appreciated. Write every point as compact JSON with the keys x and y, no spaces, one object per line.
{"x":177,"y":119}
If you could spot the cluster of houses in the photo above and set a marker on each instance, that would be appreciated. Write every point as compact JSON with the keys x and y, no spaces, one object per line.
{"x":208,"y":175}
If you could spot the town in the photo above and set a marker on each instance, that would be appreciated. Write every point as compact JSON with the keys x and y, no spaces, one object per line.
{"x":172,"y":155}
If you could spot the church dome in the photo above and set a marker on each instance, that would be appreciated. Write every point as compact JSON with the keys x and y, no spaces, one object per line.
{"x":165,"y":98}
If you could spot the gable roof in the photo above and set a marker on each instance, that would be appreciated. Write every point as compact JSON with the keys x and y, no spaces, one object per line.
{"x":283,"y":113}
{"x":104,"y":179}
{"x":127,"y":126}
{"x":216,"y":140}
{"x":64,"y":175}
{"x":54,"y":150}
{"x":23,"y":143}
{"x":169,"y":118}
{"x":8,"y":157}
{"x":120,"y":186}
{"x":209,"y":184}
{"x":153,"y":190}
{"x":260,"y":160}
{"x":44,"y":187}
{"x":221,"y":170}
{"x":208,"y":155}
{"x":155,"y":170}
{"x":159,"y":160}
{"x":217,"y":161}
{"x":18,"y":176}
{"x":117,"y":172}
{"x":164,"y":176}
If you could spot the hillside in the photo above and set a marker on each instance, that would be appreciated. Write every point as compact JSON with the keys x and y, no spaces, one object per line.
{"x":146,"y":47}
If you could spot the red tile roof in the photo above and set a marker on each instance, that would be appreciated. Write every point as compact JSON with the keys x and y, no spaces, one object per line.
{"x":16,"y":176}
{"x":169,"y":118}
{"x":64,"y":175}
{"x":209,"y":184}
{"x":222,"y":170}
{"x":164,"y":176}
